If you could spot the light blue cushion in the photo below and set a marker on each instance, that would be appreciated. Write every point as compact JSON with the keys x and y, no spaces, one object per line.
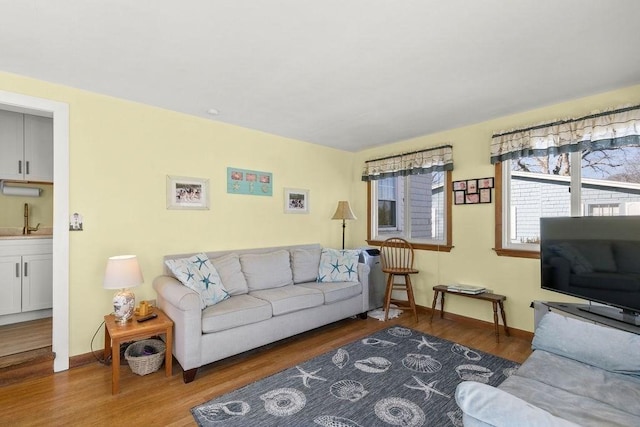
{"x":268,"y":270}
{"x":305,"y":264}
{"x":606,"y":348}
{"x":338,"y":265}
{"x":484,"y":405}
{"x":199,"y":274}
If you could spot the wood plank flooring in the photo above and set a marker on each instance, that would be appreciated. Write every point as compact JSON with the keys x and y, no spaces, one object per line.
{"x":82,"y":395}
{"x":25,"y":336}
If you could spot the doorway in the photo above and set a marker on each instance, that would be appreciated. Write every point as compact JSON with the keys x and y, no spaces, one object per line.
{"x":60,"y":113}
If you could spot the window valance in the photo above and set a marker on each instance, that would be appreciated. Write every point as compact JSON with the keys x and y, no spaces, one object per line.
{"x":413,"y":163}
{"x":600,"y":130}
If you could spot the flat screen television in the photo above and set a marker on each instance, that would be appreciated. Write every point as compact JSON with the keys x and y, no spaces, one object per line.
{"x":596,"y":259}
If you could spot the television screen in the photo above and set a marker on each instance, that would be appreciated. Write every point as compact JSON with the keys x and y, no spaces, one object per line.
{"x":596,"y":259}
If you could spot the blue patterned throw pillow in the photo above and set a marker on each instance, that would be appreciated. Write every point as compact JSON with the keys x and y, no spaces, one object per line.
{"x":338,"y":265}
{"x":199,"y":274}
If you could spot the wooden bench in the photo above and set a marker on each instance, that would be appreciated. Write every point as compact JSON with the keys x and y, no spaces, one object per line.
{"x":495,"y":299}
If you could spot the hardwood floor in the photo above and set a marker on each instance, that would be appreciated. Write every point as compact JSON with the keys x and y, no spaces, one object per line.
{"x":82,"y":395}
{"x":25,"y":336}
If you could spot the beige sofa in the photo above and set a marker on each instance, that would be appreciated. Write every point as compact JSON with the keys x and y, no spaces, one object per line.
{"x":273,"y":295}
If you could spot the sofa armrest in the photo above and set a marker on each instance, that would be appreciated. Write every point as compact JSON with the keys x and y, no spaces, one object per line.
{"x":363,"y":277}
{"x":483,"y":405}
{"x":182,"y":305}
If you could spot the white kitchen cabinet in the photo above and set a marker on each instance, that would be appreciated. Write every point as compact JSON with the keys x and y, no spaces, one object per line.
{"x":26,"y":147}
{"x":26,"y":275}
{"x":10,"y":285}
{"x":37,"y":282}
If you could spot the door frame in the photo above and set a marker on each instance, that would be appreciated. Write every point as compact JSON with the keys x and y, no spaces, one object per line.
{"x":59,"y":111}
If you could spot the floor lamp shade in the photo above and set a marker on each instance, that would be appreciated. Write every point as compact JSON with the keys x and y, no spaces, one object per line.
{"x":344,"y":213}
{"x":123,"y":271}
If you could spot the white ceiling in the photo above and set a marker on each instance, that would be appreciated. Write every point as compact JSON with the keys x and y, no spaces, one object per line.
{"x":348,"y":74}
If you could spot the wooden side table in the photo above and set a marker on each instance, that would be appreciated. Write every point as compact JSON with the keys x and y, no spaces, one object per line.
{"x":115,"y":334}
{"x":495,"y":299}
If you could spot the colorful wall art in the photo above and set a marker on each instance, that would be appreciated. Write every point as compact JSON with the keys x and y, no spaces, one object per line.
{"x":254,"y":183}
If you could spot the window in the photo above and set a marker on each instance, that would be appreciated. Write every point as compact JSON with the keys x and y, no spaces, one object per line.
{"x":387,"y":196}
{"x":607,"y":182}
{"x":410,"y":197}
{"x":414,"y":207}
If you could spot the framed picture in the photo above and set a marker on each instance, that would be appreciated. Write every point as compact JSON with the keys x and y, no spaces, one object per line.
{"x":459,"y":185}
{"x":472,"y":186}
{"x":249,"y":182}
{"x":458,"y":197}
{"x":472,"y":199}
{"x":485,"y":182}
{"x":296,"y":201}
{"x":485,"y":195}
{"x":187,"y":193}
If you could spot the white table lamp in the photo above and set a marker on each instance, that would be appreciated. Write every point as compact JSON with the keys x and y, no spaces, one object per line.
{"x":123,"y":271}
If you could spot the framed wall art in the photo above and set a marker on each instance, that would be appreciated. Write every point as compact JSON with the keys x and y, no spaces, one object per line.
{"x":187,"y":193}
{"x":296,"y":201}
{"x":485,"y":182}
{"x":472,"y":191}
{"x":249,"y":182}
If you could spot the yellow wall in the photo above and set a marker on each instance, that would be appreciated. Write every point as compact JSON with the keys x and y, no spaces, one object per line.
{"x":472,"y":260}
{"x":121,"y":153}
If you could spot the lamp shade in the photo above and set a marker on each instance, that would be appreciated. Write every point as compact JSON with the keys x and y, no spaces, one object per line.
{"x":344,"y":211}
{"x":123,"y":271}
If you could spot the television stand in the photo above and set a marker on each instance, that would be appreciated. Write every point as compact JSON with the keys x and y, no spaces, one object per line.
{"x":583,"y":311}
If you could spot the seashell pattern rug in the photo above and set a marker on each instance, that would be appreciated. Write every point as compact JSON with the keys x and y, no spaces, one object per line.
{"x":395,"y":377}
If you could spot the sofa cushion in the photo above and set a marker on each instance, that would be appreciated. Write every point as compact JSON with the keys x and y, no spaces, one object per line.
{"x":236,"y":311}
{"x":199,"y":274}
{"x":478,"y":403}
{"x":305,"y":264}
{"x":617,"y":390}
{"x":584,"y":411}
{"x":230,"y":271}
{"x":610,"y":349}
{"x":336,"y":291}
{"x":266,"y":271}
{"x":288,"y":299}
{"x":338,"y":265}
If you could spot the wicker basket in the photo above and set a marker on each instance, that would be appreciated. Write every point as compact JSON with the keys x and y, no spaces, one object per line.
{"x":141,"y":363}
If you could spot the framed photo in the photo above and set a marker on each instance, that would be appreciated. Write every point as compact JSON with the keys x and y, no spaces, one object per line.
{"x":485,"y":182}
{"x":472,"y":199}
{"x":472,"y":186}
{"x":296,"y":201}
{"x":459,"y":185}
{"x":458,"y":197}
{"x":485,"y":195}
{"x":187,"y":193}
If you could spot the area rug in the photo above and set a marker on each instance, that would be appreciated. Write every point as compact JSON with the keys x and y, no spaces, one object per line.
{"x":398,"y":377}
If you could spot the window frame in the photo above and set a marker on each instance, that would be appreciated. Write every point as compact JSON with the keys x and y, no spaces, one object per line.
{"x":446,"y":246}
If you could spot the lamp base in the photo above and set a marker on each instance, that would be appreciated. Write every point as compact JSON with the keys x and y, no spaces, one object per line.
{"x":124,"y":303}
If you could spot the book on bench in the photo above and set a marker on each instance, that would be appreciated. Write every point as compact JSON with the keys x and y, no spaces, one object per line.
{"x":466,"y":289}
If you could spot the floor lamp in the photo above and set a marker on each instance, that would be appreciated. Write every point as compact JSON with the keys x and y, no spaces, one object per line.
{"x":344,"y":213}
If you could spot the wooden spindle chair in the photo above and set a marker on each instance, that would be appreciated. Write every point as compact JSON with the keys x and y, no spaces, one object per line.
{"x":396,"y":256}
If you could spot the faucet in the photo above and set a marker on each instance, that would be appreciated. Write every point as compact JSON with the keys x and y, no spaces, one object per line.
{"x":26,"y":229}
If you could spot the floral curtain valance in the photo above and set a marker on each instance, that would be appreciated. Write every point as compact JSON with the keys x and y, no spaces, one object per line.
{"x":414,"y":163}
{"x":601,"y":130}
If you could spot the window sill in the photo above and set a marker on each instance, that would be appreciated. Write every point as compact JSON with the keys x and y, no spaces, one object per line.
{"x":517,"y":253}
{"x":419,"y":246}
